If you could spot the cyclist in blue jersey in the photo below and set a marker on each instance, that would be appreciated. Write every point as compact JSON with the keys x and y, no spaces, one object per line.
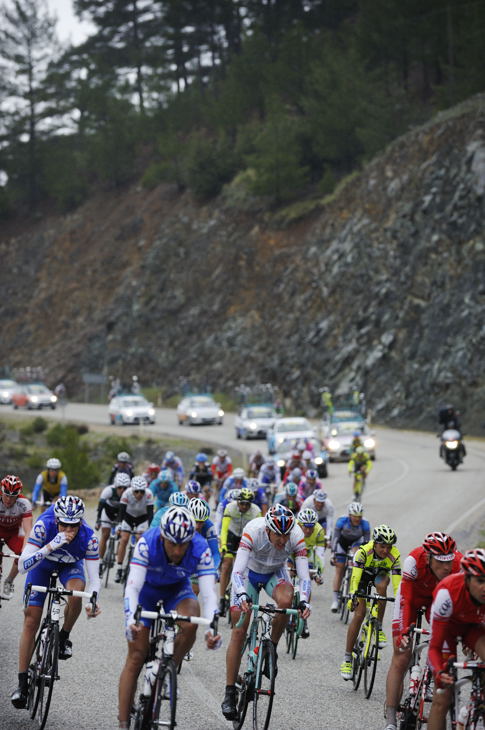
{"x":205,"y":527}
{"x":162,"y":564}
{"x":177,"y":499}
{"x":237,"y":480}
{"x":162,"y":487}
{"x":61,"y":541}
{"x":173,"y":462}
{"x":351,"y":531}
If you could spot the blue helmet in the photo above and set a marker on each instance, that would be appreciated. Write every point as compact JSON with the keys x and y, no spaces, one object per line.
{"x":201,"y":458}
{"x":178,"y":499}
{"x":357,"y":434}
{"x":165,"y":475}
{"x":291,"y":489}
{"x":193,"y":487}
{"x":177,"y":525}
{"x":69,"y":509}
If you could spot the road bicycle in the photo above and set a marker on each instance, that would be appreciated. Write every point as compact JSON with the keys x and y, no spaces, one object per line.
{"x":296,"y":625}
{"x":257,"y":683}
{"x":156,"y":706}
{"x":43,"y":669}
{"x":359,"y":484}
{"x":414,"y":707}
{"x":344,"y":593}
{"x":3,"y":555}
{"x":109,"y":558}
{"x":365,"y":653}
{"x":471,"y":716}
{"x":129,"y":554}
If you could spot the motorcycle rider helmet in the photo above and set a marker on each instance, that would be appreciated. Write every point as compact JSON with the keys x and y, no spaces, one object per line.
{"x":384,"y":535}
{"x":279,"y":519}
{"x":200,"y":509}
{"x":440,"y":546}
{"x":178,"y":525}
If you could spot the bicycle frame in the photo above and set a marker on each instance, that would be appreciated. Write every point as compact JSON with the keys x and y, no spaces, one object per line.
{"x":475,"y":708}
{"x":366,"y":650}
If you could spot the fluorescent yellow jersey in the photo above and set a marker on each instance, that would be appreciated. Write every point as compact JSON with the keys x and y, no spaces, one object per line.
{"x":367,"y":561}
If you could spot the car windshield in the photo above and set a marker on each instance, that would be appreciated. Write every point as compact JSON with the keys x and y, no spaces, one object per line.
{"x":346,"y":416}
{"x":202,"y":402}
{"x":132,"y":402}
{"x":288,"y":426}
{"x":290,"y":445}
{"x":7,"y":383}
{"x":36,"y":389}
{"x":349,"y":427}
{"x":260,"y":413}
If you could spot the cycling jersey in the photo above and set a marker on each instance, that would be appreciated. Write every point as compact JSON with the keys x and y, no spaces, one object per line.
{"x":234,"y":521}
{"x":294,"y":504}
{"x":109,"y":503}
{"x":122,"y":467}
{"x":357,"y":461}
{"x":305,"y":488}
{"x":368,"y":564}
{"x":52,"y":488}
{"x":416,"y":588}
{"x":269,"y":475}
{"x":83,"y":547}
{"x":230,"y":483}
{"x":176,"y":466}
{"x":136,"y":511}
{"x":161,"y":494}
{"x":325,"y":513}
{"x":202,"y":475}
{"x":347,"y":535}
{"x":11,"y":517}
{"x":209,"y":533}
{"x":454,"y":613}
{"x":221,"y":468}
{"x":318,"y":538}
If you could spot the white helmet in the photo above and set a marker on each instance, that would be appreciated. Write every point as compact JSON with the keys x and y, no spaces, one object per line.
{"x":200,"y":509}
{"x":69,"y":509}
{"x":355,"y":508}
{"x":238,"y":473}
{"x":53,"y":463}
{"x":123,"y":456}
{"x":122,"y":479}
{"x":139,"y":484}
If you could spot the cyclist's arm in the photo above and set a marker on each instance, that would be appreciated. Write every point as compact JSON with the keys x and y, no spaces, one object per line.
{"x":63,"y":487}
{"x":301,"y":564}
{"x":320,"y":557}
{"x":396,"y":572}
{"x":101,"y":506}
{"x":441,"y":611}
{"x":336,"y":535}
{"x":136,"y":579}
{"x":34,"y":553}
{"x":357,"y":570}
{"x":226,"y":521}
{"x":122,"y":513}
{"x":207,"y":584}
{"x":149,"y":513}
{"x":368,"y":465}
{"x":330,"y":515}
{"x":92,"y":569}
{"x":37,"y":487}
{"x":26,"y":527}
{"x":365,"y":531}
{"x":241,"y":563}
{"x":213,"y":542}
{"x":407,"y":588}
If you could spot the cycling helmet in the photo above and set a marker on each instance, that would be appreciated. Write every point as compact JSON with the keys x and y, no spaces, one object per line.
{"x":291,"y":489}
{"x":69,"y":509}
{"x":222,"y":453}
{"x":245,"y":495}
{"x":123,"y":456}
{"x":238,"y":473}
{"x":122,"y":479}
{"x":357,"y":434}
{"x":193,"y":487}
{"x":440,"y":545}
{"x":179,"y":499}
{"x":473,"y":562}
{"x":384,"y":534}
{"x":233,"y":494}
{"x":319,"y":495}
{"x":296,"y":474}
{"x":153,"y":469}
{"x":279,"y":519}
{"x":178,"y":525}
{"x":201,"y":458}
{"x":270,"y":463}
{"x":169,"y":456}
{"x":359,"y":450}
{"x":165,"y":475}
{"x":311,"y":474}
{"x":53,"y":463}
{"x":253,"y":484}
{"x":356,"y":509}
{"x":11,"y":486}
{"x":200,"y":509}
{"x":307,"y":517}
{"x":139,"y":484}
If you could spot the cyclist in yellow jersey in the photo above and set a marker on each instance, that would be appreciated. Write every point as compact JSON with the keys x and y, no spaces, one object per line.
{"x":374,"y":562}
{"x":50,"y":484}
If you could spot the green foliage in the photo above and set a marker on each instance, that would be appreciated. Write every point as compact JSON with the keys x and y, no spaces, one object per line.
{"x":83,"y":473}
{"x":39,"y":424}
{"x":208,"y":164}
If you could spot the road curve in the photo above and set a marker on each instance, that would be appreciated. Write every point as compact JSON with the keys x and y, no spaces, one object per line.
{"x":409,"y":488}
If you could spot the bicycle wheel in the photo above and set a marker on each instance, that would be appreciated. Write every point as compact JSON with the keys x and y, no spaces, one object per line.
{"x":298,"y":629}
{"x":357,"y":660}
{"x":126,"y":569}
{"x":264,"y":687}
{"x":47,"y":675}
{"x":290,"y":634}
{"x":371,"y":655}
{"x":245,"y":689}
{"x":408,"y":714}
{"x":109,"y":560}
{"x":164,"y":697}
{"x":344,"y":611}
{"x":34,"y":672}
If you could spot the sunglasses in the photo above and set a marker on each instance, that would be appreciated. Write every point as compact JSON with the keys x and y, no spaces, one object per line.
{"x":139,"y":491}
{"x":10,"y":494}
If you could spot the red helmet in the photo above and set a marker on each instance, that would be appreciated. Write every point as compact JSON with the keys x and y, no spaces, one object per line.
{"x":440,"y":545}
{"x":473,"y":562}
{"x":153,"y":469}
{"x":11,"y":486}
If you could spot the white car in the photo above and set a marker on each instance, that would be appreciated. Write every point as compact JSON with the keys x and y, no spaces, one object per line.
{"x":287,"y":429}
{"x":124,"y":409}
{"x":7,"y":389}
{"x":253,"y":421}
{"x":199,"y":409}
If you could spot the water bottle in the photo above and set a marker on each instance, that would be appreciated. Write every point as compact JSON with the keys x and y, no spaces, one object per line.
{"x":414,"y":680}
{"x":56,"y":611}
{"x":151,"y":669}
{"x":42,"y":641}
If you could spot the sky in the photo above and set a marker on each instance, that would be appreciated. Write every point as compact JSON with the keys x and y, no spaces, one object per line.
{"x":68,"y":26}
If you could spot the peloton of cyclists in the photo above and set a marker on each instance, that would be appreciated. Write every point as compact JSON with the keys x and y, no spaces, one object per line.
{"x":108,"y":512}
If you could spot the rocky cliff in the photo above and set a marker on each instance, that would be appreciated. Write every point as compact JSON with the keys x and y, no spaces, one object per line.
{"x":382,"y":283}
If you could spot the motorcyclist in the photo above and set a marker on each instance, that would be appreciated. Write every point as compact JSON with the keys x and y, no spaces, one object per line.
{"x":449,"y":419}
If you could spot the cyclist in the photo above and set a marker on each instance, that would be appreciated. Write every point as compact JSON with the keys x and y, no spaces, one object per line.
{"x":373,"y":562}
{"x":458,"y":609}
{"x":109,"y":511}
{"x":265,"y":546}
{"x":269,"y":472}
{"x":236,"y":516}
{"x":315,"y":542}
{"x":360,"y":461}
{"x":231,"y":496}
{"x":327,"y":402}
{"x":15,"y":523}
{"x":289,"y":498}
{"x":322,"y":504}
{"x":237,"y":480}
{"x":193,"y":489}
{"x":202,"y":473}
{"x":136,"y":513}
{"x":261,"y":498}
{"x":350,"y":532}
{"x":49,"y":484}
{"x":152,"y":472}
{"x":205,"y":527}
{"x":162,"y":487}
{"x":422,"y":570}
{"x":173,"y":462}
{"x":123,"y":464}
{"x":221,"y":467}
{"x":309,"y":484}
{"x":256,"y":461}
{"x":177,"y":499}
{"x":162,"y":564}
{"x":61,"y":541}
{"x":356,"y":441}
{"x":295,"y":461}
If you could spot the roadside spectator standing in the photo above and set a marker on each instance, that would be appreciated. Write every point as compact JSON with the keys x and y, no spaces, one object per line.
{"x":135,"y":385}
{"x":327,"y":402}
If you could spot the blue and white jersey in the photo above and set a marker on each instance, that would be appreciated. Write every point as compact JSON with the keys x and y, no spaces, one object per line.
{"x":347,"y":535}
{"x":150,"y":554}
{"x":83,"y":547}
{"x":230,"y":483}
{"x":209,"y":532}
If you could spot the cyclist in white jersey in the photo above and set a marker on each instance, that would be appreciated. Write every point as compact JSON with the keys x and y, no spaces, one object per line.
{"x":323,"y":506}
{"x":136,"y":513}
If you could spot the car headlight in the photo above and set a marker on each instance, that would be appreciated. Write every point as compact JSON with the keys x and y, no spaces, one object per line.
{"x":334,"y":445}
{"x":151,"y":411}
{"x":5,"y":394}
{"x":34,"y":398}
{"x":53,"y":398}
{"x":451,"y":444}
{"x":334,"y":432}
{"x":220,"y":413}
{"x":318,"y":460}
{"x":193,"y":414}
{"x":281,"y":463}
{"x":253,"y":426}
{"x":128,"y":413}
{"x":369,"y":443}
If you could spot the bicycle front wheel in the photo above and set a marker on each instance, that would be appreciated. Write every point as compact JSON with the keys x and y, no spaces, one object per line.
{"x":164,"y":697}
{"x":109,"y":560}
{"x":298,"y":631}
{"x":243,"y":687}
{"x":46,"y":676}
{"x":371,"y":656}
{"x":290,"y":634}
{"x":264,"y":689}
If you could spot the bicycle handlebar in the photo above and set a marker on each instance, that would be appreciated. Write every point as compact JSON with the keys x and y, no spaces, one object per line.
{"x":63,"y":592}
{"x":472,"y":664}
{"x":374,"y":597}
{"x":266,"y":609}
{"x":9,"y":555}
{"x":173,"y":616}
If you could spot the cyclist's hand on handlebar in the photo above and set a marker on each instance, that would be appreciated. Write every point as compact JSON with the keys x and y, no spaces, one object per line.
{"x":402,"y":642}
{"x":133,"y":630}
{"x":213,"y":641}
{"x":332,"y":559}
{"x":352,"y":603}
{"x":89,"y":611}
{"x":319,"y":579}
{"x":244,"y":603}
{"x":304,"y":609}
{"x":443,"y":679}
{"x":97,"y":525}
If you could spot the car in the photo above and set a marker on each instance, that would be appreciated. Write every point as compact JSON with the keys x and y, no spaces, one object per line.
{"x":33,"y":396}
{"x":287,"y":448}
{"x":286,"y":429}
{"x":253,"y":421}
{"x":338,"y":439}
{"x":129,"y":408}
{"x":7,"y":389}
{"x":199,"y":409}
{"x":343,"y":415}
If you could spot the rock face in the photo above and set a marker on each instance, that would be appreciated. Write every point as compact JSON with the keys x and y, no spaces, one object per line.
{"x":382,"y":284}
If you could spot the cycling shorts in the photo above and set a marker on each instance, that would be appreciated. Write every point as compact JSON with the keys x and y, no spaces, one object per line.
{"x":13,"y":540}
{"x":255,"y":581}
{"x":341,"y":552}
{"x":171,"y":595}
{"x":106,"y":521}
{"x":232,"y":544}
{"x":42,"y":572}
{"x":142,"y":527}
{"x":369,"y":579}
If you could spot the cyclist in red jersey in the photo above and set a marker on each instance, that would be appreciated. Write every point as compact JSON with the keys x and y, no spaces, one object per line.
{"x":423,"y":569}
{"x":15,"y":523}
{"x":458,"y":610}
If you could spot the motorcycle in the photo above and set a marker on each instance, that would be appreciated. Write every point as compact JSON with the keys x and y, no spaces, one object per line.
{"x":452,"y":449}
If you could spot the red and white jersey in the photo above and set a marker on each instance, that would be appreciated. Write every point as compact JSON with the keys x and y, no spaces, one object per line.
{"x":11,"y":517}
{"x":221,"y":467}
{"x":453,"y":613}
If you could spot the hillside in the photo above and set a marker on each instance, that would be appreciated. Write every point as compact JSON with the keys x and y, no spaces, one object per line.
{"x":383,"y":283}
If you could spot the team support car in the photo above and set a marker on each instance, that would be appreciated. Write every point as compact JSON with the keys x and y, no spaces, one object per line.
{"x":287,"y":429}
{"x":7,"y":389}
{"x":319,"y":455}
{"x":125,"y":409}
{"x":33,"y":396}
{"x":338,"y":439}
{"x":253,"y":421}
{"x":199,"y":409}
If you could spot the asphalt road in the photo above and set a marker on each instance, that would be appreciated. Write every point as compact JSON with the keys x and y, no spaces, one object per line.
{"x":409,"y":489}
